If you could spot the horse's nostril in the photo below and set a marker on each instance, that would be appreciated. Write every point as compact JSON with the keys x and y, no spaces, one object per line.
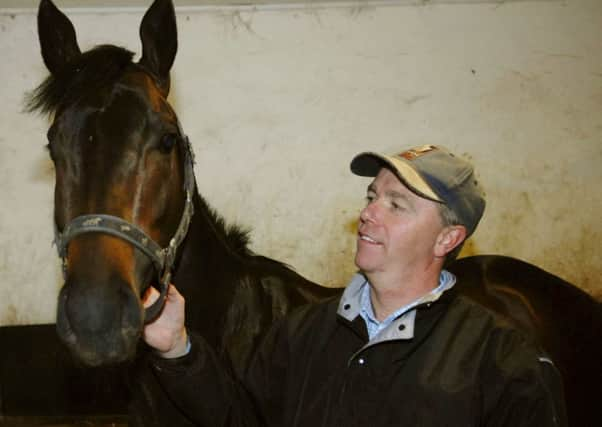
{"x":89,"y":311}
{"x":100,"y":306}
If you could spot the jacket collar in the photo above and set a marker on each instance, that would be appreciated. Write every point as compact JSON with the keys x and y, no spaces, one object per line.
{"x":350,"y":303}
{"x":403,"y":326}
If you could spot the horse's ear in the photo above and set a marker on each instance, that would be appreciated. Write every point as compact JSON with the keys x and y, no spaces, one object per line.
{"x":159,"y":37}
{"x":57,"y":37}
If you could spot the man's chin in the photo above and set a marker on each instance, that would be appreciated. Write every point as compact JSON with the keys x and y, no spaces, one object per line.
{"x":364,"y":265}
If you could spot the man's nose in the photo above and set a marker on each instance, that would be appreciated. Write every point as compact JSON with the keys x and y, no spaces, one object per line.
{"x":369,"y":213}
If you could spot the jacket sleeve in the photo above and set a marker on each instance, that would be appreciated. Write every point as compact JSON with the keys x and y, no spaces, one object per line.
{"x":528,"y":390}
{"x":205,"y":389}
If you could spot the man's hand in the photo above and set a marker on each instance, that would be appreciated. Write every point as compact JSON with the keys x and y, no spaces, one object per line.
{"x":167,"y":333}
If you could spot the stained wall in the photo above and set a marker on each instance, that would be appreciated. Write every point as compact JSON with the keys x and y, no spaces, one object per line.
{"x":276,"y":101}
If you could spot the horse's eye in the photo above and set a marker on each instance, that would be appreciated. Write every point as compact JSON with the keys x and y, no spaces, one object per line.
{"x":50,"y":133}
{"x":50,"y":136}
{"x":168,"y":141}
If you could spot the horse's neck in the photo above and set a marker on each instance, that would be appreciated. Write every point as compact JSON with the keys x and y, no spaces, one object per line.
{"x":207,"y":245}
{"x":208,"y":272}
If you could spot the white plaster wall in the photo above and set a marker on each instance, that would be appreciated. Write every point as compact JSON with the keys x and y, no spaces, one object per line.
{"x":277,"y":101}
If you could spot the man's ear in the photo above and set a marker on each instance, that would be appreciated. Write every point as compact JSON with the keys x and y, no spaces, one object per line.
{"x":450,"y":237}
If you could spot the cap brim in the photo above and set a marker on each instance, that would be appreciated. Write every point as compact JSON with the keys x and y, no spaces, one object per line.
{"x":370,"y":163}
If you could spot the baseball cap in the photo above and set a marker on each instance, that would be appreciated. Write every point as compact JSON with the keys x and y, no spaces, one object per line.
{"x":434,"y":173}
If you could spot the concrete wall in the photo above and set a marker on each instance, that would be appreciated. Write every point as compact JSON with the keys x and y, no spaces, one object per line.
{"x":278,"y":100}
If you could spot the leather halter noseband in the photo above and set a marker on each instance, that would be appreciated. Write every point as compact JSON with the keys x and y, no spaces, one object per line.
{"x":162,"y":258}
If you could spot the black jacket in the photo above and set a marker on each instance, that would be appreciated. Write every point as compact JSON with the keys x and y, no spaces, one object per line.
{"x":462,"y":367}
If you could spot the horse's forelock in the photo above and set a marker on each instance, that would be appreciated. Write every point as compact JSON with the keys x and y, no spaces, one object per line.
{"x":97,"y":68}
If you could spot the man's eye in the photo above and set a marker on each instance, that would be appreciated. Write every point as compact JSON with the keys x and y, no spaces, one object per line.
{"x":397,"y":207}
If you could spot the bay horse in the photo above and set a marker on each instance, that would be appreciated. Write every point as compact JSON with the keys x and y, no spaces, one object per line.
{"x":127,"y":213}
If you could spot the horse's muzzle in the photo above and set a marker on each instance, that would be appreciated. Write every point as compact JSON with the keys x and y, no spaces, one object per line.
{"x":101,"y":326}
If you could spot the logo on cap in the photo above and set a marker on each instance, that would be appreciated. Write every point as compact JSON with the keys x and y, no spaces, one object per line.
{"x":417,"y":152}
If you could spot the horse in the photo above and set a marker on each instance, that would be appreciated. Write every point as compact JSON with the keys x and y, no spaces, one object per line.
{"x":127,"y":211}
{"x":128,"y":214}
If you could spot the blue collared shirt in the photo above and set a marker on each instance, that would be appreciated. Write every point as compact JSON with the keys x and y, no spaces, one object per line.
{"x":446,"y":281}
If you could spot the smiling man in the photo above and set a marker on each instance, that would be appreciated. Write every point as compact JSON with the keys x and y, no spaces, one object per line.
{"x":399,"y":347}
{"x":407,"y":229}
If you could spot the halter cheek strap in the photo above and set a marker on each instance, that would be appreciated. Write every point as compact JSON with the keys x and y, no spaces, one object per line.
{"x":162,"y":258}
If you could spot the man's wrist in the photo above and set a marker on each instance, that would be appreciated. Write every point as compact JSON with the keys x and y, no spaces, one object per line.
{"x":182,"y":348}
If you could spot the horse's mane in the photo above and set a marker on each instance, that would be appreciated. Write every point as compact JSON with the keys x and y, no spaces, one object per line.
{"x":234,"y":237}
{"x":237,"y":239}
{"x":94,"y":69}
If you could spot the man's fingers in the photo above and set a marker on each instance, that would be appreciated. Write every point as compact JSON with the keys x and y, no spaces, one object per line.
{"x":150,"y":296}
{"x":172,"y":292}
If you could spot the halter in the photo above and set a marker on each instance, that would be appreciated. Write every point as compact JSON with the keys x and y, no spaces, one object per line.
{"x":162,"y":258}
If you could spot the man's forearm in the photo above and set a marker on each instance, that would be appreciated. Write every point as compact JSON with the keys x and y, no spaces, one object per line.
{"x":204,"y":387}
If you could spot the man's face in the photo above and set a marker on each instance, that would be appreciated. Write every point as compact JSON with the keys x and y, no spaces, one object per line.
{"x":398,"y":230}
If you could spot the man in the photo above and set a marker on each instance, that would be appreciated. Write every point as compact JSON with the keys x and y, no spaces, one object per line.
{"x":399,"y":347}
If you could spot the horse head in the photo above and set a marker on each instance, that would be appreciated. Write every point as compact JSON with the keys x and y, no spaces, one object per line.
{"x":122,"y":180}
